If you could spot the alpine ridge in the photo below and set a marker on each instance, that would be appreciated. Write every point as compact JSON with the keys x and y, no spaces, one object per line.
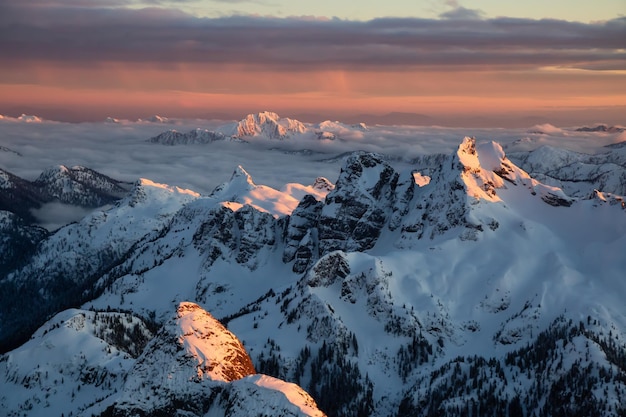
{"x":263,"y":125}
{"x":463,"y":284}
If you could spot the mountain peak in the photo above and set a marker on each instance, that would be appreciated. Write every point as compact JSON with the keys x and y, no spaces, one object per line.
{"x":80,"y":186}
{"x":480,"y":182}
{"x":240,"y":184}
{"x":220,"y":355}
{"x":240,"y":175}
{"x":323,"y":184}
{"x":268,"y":124}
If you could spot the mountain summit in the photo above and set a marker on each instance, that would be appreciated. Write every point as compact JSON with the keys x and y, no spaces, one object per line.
{"x":269,"y":125}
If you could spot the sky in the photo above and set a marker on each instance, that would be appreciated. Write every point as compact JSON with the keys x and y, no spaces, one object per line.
{"x":441,"y":62}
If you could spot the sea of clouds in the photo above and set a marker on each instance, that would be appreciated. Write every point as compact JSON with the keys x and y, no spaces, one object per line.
{"x":121,"y":149}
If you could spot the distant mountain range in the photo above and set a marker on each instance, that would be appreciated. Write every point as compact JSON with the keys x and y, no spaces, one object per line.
{"x":267,"y":125}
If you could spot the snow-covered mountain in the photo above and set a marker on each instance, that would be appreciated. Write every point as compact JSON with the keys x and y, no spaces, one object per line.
{"x":78,"y":186}
{"x":264,"y":125}
{"x":463,"y":284}
{"x":578,"y":174}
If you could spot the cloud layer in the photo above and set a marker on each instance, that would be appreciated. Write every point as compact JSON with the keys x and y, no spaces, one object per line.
{"x":81,"y":34}
{"x":121,"y":150}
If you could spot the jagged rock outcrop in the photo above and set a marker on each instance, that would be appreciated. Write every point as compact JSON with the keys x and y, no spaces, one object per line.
{"x":241,"y":234}
{"x":257,"y":230}
{"x":302,"y":236}
{"x":413,"y":292}
{"x":195,"y":136}
{"x":356,"y":210}
{"x":461,"y":186}
{"x":609,"y":198}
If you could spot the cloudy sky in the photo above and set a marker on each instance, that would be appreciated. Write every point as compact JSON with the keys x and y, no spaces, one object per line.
{"x":451,"y":60}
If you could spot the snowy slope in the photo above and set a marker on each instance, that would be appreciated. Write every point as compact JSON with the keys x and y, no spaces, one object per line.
{"x":63,"y":268}
{"x":77,"y":360}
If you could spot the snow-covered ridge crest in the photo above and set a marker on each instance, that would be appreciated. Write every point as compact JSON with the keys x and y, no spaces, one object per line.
{"x":220,"y":355}
{"x":486,"y":168}
{"x":148,"y":191}
{"x":609,"y":198}
{"x":496,"y":165}
{"x":241,"y":190}
{"x":473,"y":189}
{"x":480,"y":183}
{"x":577,"y":174}
{"x":282,"y":395}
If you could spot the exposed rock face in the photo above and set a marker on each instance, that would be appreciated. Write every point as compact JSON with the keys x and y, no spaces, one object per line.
{"x":356,"y":210}
{"x":243,"y":232}
{"x":330,"y":269}
{"x":257,"y":230}
{"x":436,"y":327}
{"x":195,"y":136}
{"x":460,"y":187}
{"x":301,"y":237}
{"x":216,"y":236}
{"x":218,"y":354}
